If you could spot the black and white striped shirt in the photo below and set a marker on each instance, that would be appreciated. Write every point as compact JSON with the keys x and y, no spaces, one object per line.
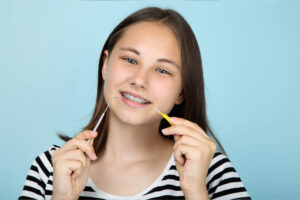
{"x":222,"y":182}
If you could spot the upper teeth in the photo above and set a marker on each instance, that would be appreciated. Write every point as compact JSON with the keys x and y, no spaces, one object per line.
{"x":135,"y":99}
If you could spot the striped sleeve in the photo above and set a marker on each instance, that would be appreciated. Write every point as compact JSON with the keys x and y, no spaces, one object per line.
{"x":38,"y":176}
{"x":222,"y":180}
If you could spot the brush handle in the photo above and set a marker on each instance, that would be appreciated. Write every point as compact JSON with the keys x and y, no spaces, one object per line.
{"x":96,"y":127}
{"x":101,"y":117}
{"x":167,"y":118}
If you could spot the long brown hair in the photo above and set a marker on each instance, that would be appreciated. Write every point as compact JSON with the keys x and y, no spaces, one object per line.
{"x":193,"y":108}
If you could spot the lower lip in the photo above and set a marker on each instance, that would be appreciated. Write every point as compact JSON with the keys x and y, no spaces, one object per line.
{"x":133,"y":104}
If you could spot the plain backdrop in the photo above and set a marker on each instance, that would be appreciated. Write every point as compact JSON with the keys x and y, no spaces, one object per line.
{"x":49,"y":51}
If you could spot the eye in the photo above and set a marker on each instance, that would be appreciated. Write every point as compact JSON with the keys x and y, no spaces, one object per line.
{"x":130,"y":60}
{"x":163,"y":71}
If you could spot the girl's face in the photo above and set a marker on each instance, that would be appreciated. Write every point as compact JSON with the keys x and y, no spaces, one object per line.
{"x":143,"y":71}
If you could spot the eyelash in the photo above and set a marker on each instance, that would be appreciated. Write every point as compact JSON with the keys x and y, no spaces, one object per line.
{"x":130,"y":59}
{"x":126,"y":59}
{"x":166,"y":72}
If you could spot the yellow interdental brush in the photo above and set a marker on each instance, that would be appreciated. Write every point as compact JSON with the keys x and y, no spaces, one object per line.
{"x":164,"y":115}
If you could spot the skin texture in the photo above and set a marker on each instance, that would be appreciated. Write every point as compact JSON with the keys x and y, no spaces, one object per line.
{"x":71,"y":165}
{"x":142,"y":73}
{"x":193,"y":151}
{"x":138,"y":64}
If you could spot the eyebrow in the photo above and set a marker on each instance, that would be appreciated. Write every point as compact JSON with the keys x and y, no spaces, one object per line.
{"x":168,"y":61}
{"x":158,"y":60}
{"x":130,"y":49}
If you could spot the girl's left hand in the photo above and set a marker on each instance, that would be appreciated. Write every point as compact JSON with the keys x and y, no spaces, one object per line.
{"x":193,"y":152}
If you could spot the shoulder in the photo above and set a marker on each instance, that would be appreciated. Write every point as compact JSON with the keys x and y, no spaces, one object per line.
{"x":38,"y":182}
{"x":223,"y":180}
{"x":51,"y":149}
{"x":220,"y":162}
{"x":43,"y":162}
{"x":219,"y":166}
{"x":47,"y":154}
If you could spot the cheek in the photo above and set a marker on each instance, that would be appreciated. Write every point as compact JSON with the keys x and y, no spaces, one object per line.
{"x":166,"y":92}
{"x":117,"y":75}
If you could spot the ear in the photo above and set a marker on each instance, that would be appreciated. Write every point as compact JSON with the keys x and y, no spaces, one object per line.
{"x":104,"y":66}
{"x":180,"y":99}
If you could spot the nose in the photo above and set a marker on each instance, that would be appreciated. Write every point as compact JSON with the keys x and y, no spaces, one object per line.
{"x":139,"y":80}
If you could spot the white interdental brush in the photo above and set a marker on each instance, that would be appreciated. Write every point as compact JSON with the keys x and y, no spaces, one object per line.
{"x":100,"y":119}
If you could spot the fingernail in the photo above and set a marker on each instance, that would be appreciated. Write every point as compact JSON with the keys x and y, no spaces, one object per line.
{"x":94,"y":157}
{"x":165,"y":130}
{"x":172,"y":119}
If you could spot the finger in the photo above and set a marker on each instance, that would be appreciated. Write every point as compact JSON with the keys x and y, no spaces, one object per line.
{"x":81,"y":170}
{"x":83,"y":145}
{"x":188,"y":141}
{"x":87,"y":134}
{"x":184,"y":122}
{"x":183,"y":130}
{"x":184,"y":152}
{"x":70,"y":166}
{"x":88,"y":162}
{"x":205,"y":146}
{"x":76,"y":173}
{"x":177,"y":137}
{"x":74,"y":154}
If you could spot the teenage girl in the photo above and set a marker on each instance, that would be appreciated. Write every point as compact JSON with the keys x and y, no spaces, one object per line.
{"x":150,"y":60}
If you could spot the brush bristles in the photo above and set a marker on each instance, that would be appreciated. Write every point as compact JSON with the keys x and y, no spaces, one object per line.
{"x":156,"y":110}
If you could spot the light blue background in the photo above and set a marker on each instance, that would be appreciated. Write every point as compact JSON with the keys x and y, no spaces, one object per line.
{"x":48,"y":74}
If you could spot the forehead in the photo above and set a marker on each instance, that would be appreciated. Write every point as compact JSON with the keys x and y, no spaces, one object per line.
{"x":151,"y":38}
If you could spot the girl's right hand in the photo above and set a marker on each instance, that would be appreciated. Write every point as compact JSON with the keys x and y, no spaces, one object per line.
{"x":71,"y":164}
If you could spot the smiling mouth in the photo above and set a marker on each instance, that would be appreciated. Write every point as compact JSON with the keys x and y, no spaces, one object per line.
{"x":135,"y":98}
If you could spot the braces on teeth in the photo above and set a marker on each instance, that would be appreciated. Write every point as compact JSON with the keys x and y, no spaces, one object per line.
{"x":135,"y":99}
